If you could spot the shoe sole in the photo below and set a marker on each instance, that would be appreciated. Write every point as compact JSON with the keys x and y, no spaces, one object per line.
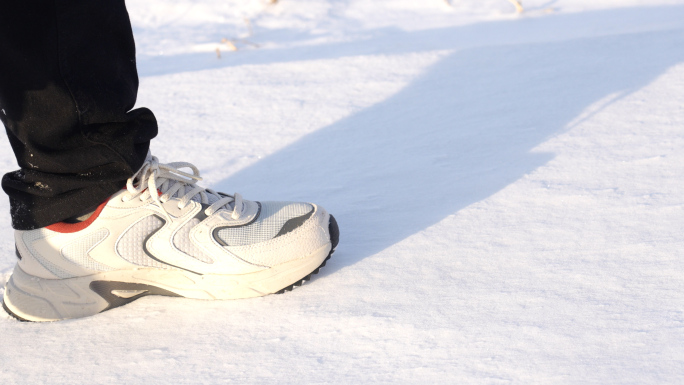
{"x":29,"y":298}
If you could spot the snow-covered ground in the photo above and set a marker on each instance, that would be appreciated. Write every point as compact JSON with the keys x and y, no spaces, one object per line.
{"x":510,"y":191}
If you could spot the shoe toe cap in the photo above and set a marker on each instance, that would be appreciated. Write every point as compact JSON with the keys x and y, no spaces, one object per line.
{"x":294,"y":237}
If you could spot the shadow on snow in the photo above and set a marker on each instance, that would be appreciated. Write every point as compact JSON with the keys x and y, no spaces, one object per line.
{"x":457,"y":134}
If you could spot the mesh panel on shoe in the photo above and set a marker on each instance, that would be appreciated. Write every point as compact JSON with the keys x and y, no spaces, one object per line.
{"x":130,"y":246}
{"x":183,"y":243}
{"x":77,"y":251}
{"x":271,"y":219}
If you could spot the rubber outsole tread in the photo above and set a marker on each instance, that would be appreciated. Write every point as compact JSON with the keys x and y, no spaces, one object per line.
{"x":334,"y":239}
{"x":307,"y":278}
{"x":16,"y":317}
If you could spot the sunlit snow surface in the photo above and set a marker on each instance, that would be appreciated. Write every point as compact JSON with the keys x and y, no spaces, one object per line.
{"x":510,"y":192}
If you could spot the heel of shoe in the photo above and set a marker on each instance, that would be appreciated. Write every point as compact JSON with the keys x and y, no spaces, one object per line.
{"x":30,"y":298}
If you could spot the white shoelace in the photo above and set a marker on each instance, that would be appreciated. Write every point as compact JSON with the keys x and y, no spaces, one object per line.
{"x":169,"y":180}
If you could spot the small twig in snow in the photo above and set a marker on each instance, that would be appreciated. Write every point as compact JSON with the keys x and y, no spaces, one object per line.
{"x":230,"y":44}
{"x":518,"y":6}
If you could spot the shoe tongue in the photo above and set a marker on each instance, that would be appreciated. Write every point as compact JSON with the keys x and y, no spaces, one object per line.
{"x":211,"y":198}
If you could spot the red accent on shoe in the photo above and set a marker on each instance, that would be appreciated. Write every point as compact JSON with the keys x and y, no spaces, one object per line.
{"x":62,"y":227}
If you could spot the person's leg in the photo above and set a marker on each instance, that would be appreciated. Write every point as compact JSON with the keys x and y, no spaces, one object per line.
{"x":68,"y":82}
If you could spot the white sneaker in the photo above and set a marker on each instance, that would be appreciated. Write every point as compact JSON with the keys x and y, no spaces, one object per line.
{"x":183,"y":240}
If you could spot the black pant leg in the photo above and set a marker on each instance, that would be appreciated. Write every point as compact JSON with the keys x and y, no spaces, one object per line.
{"x":68,"y":82}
